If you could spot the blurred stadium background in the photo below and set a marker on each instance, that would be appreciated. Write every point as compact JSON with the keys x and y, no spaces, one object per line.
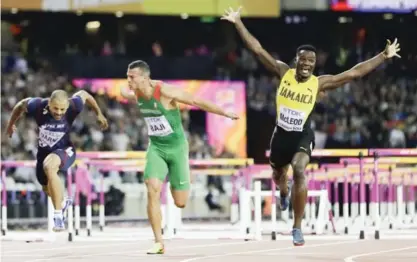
{"x":87,"y":45}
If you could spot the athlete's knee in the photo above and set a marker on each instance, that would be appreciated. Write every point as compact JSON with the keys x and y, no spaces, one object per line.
{"x":180,"y":203}
{"x":180,"y":197}
{"x":298,"y":172}
{"x":154,"y":187}
{"x":51,"y":165}
{"x":278,"y":174}
{"x":46,"y":190}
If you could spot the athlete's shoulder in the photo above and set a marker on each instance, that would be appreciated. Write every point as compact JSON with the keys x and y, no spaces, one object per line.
{"x":35,"y":106}
{"x":76,"y":104}
{"x":157,"y":83}
{"x":33,"y":103}
{"x":290,"y":73}
{"x":163,"y":88}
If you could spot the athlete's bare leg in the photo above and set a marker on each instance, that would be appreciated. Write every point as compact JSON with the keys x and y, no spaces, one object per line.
{"x":281,"y":178}
{"x":299,"y":188}
{"x":46,"y":190}
{"x":180,"y":197}
{"x":55,"y":189}
{"x":154,"y":187}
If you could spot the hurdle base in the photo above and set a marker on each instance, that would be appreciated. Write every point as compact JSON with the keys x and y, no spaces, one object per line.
{"x":362,"y":234}
{"x":377,"y":236}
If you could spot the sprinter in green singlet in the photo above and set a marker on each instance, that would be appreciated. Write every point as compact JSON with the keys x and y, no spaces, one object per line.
{"x":168,"y":148}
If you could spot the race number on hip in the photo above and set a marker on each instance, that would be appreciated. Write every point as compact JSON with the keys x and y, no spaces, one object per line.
{"x":158,"y":126}
{"x":290,"y":119}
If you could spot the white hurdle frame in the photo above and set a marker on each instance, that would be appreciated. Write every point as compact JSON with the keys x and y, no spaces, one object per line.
{"x":247,"y":229}
{"x":50,"y":211}
{"x":257,"y":194}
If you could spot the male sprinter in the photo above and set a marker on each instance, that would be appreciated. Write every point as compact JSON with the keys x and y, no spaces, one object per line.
{"x":293,"y":138}
{"x":54,"y":117}
{"x":168,"y":149}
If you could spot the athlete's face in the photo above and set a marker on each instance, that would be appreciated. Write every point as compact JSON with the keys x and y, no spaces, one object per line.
{"x":306,"y":62}
{"x":137,"y":79}
{"x":58,"y":107}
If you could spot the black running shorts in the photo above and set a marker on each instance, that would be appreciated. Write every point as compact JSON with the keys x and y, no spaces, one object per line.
{"x":284,"y":145}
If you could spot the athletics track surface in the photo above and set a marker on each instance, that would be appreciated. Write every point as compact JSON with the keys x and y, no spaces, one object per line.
{"x":318,"y":248}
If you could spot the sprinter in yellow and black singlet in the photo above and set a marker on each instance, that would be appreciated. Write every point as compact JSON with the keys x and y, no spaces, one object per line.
{"x":295,"y":102}
{"x":293,"y":138}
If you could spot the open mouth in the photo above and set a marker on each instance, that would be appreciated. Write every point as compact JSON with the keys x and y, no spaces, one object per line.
{"x":305,"y":70}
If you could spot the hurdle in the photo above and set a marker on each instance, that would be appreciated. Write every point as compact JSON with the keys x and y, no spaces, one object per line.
{"x":392,"y":191}
{"x":246,"y":229}
{"x":137,"y":165}
{"x":49,"y":236}
{"x":258,"y":230}
{"x":386,"y":164}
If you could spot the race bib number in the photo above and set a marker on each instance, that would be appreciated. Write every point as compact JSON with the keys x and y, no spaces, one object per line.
{"x":49,"y":138}
{"x":290,"y":119}
{"x":158,"y":126}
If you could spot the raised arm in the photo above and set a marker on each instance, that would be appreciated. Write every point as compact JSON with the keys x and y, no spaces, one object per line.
{"x":277,"y":67}
{"x":92,"y":103}
{"x":178,"y":95}
{"x":18,"y":110}
{"x":327,"y":82}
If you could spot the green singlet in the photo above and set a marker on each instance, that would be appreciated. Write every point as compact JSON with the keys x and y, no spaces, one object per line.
{"x":168,"y":148}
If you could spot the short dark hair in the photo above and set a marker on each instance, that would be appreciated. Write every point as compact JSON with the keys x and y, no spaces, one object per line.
{"x":306,"y":48}
{"x":141,"y":65}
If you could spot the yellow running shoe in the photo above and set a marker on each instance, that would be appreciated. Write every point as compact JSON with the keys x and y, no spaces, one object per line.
{"x":157,"y":249}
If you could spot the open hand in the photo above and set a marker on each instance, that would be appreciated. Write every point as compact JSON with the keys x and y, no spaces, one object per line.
{"x":102,"y":121}
{"x":392,"y":49}
{"x":231,"y":15}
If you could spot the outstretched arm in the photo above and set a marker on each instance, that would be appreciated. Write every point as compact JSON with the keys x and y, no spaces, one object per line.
{"x":181,"y":96}
{"x":18,"y":110}
{"x":92,"y":103}
{"x":277,"y":67}
{"x":327,"y":82}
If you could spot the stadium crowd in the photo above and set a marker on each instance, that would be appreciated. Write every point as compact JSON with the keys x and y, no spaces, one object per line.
{"x":377,"y":111}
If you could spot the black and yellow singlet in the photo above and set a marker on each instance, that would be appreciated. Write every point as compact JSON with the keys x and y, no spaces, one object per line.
{"x":295,"y":102}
